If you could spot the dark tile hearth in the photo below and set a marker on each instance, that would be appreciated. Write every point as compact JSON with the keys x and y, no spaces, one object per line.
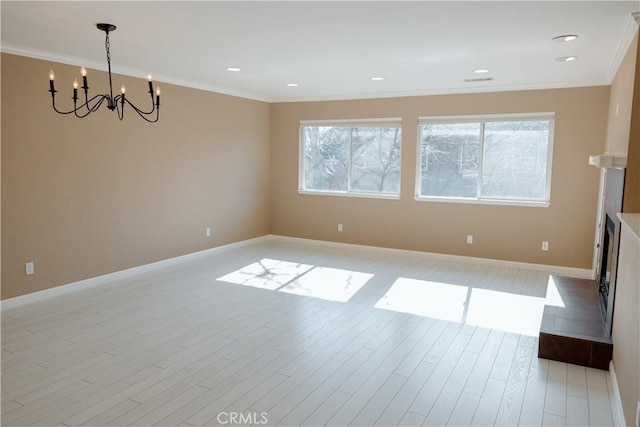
{"x":575,"y":333}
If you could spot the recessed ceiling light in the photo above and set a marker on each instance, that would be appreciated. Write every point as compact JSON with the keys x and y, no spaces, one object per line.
{"x":565,"y":38}
{"x":234,"y":69}
{"x":377,"y":79}
{"x":481,"y":71}
{"x":292,"y":84}
{"x":566,"y":58}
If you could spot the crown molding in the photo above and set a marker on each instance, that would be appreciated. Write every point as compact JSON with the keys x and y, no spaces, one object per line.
{"x":446,"y":91}
{"x":630,"y":31}
{"x":126,"y":71}
{"x":479,"y":88}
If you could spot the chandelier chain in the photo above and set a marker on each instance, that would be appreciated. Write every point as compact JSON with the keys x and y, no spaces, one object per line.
{"x":111,"y":101}
{"x":107,"y":45}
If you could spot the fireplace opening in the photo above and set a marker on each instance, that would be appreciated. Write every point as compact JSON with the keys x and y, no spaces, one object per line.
{"x":607,"y":261}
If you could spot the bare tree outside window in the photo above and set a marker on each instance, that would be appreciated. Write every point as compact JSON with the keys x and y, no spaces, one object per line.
{"x":515,"y":160}
{"x":502,"y":160}
{"x":357,"y":159}
{"x":326,"y":158}
{"x":449,"y":159}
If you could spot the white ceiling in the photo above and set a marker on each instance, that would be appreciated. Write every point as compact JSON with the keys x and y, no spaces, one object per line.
{"x":332,"y":49}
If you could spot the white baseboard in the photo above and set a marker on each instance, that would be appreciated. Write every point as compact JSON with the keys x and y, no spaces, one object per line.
{"x":616,"y":402}
{"x":122,"y":274}
{"x":581,"y":273}
{"x":100,"y":280}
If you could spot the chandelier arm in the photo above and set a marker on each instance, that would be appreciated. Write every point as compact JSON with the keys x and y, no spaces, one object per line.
{"x":81,"y":116}
{"x":87,"y":100}
{"x":75,"y":110}
{"x":144,"y":114}
{"x":92,"y":109}
{"x":140,"y":111}
{"x":53,"y":102}
{"x":99,"y":100}
{"x":99,"y":103}
{"x":118,"y":101}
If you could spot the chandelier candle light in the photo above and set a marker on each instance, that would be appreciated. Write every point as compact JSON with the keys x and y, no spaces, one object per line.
{"x":113,"y":102}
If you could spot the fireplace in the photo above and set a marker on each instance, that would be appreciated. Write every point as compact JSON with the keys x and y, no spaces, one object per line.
{"x":609,"y":243}
{"x":608,"y":246}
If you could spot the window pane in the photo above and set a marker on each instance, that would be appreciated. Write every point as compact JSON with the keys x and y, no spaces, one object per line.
{"x":326,"y":158}
{"x":449,"y":159}
{"x":375,"y":160}
{"x":515,"y":160}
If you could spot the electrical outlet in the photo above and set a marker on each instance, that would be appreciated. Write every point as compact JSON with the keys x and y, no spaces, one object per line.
{"x":545,"y":246}
{"x":207,"y":232}
{"x":28,"y":267}
{"x":469,"y":239}
{"x":340,"y":228}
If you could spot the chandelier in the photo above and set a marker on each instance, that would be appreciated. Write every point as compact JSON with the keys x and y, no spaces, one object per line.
{"x":117,"y":103}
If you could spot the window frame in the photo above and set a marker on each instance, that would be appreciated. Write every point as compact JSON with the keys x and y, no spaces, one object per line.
{"x":482,"y":120}
{"x":392,"y":122}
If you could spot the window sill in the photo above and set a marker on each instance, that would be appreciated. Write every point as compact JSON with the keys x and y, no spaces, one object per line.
{"x":351,"y":194}
{"x":523,"y":203}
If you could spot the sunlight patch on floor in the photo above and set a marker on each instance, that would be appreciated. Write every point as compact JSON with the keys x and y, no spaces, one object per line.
{"x":504,"y":311}
{"x":428,"y":299}
{"x":553,"y":295}
{"x":328,"y":283}
{"x":486,"y":308}
{"x":300,"y":279}
{"x":267,"y":274}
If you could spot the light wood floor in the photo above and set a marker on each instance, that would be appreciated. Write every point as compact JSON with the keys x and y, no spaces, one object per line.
{"x":177,"y":346}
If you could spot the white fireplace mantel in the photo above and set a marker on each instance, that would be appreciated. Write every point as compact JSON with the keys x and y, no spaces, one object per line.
{"x":608,"y":161}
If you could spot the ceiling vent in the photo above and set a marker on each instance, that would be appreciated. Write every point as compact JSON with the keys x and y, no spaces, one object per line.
{"x":480,"y":79}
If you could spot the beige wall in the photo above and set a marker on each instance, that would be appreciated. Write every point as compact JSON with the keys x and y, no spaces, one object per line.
{"x":626,"y":324}
{"x":0,"y":182}
{"x":87,"y":197}
{"x":631,"y":202}
{"x":620,"y":102}
{"x":500,"y":232}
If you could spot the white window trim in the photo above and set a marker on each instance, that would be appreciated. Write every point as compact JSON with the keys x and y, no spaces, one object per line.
{"x":473,"y":201}
{"x":390,"y":122}
{"x":387,"y":196}
{"x":383,"y":122}
{"x":487,"y":119}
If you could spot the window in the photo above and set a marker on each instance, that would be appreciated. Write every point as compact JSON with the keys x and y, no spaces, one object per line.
{"x":351,"y":158}
{"x":491,"y":159}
